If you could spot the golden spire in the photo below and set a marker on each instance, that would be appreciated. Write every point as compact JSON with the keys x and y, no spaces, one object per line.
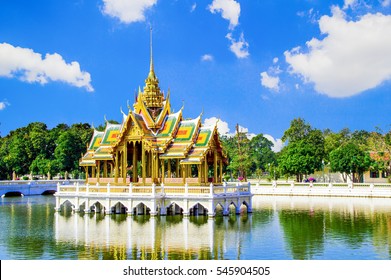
{"x":152,"y":96}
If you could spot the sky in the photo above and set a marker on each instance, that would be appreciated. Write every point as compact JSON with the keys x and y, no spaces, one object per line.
{"x":259,"y":64}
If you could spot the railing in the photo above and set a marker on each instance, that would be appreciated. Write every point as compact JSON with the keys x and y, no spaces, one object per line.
{"x":186,"y":190}
{"x":39,"y":182}
{"x":276,"y":184}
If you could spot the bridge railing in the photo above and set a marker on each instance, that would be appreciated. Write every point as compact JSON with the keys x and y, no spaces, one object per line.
{"x":39,"y":182}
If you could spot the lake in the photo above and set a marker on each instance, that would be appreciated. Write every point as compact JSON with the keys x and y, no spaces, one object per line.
{"x":280,"y":228}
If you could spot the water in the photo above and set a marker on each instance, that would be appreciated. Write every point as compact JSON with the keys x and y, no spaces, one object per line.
{"x":279,"y":228}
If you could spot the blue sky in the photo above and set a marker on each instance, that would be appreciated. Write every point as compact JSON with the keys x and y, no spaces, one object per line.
{"x":256,"y":63}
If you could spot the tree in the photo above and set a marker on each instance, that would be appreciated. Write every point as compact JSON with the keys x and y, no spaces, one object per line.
{"x":305,"y":150}
{"x":350,"y":159}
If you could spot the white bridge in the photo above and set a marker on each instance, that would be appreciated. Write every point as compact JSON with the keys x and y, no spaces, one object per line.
{"x":156,"y":200}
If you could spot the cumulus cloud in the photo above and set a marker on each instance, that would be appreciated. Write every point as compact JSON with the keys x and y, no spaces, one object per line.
{"x":127,"y":11}
{"x":3,"y":105}
{"x":223,"y":129}
{"x":229,"y":9}
{"x":353,"y":56}
{"x":349,"y":3}
{"x":277,"y":143}
{"x":207,"y":57}
{"x":31,"y":67}
{"x":238,"y":47}
{"x":270,"y":82}
{"x":222,"y":126}
{"x":386,"y":3}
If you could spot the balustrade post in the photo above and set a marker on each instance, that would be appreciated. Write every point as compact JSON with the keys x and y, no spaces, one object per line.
{"x":371,"y":186}
{"x":186,"y":189}
{"x":249,"y":187}
{"x":330,"y":185}
{"x":58,"y":187}
{"x":153,"y":188}
{"x":162,"y":190}
{"x":274,"y":184}
{"x":130,"y":187}
{"x":77,"y":188}
{"x":87,"y":188}
{"x":225,"y":187}
{"x":211,"y":189}
{"x":108,"y":188}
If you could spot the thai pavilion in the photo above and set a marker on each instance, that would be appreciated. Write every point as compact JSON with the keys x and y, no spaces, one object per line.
{"x":152,"y":144}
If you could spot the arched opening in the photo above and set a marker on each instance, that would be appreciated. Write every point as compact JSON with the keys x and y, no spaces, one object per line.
{"x":66,"y":207}
{"x":174,"y":209}
{"x":97,"y":207}
{"x":11,"y":194}
{"x":219,"y":210}
{"x":243,"y":208}
{"x":198,"y":210}
{"x":232,"y":209}
{"x":141,"y":209}
{"x":119,"y":208}
{"x":49,"y":192}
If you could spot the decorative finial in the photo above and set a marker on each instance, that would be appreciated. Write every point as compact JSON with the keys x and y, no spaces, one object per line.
{"x":106,"y":119}
{"x":127,"y":103}
{"x":151,"y":58}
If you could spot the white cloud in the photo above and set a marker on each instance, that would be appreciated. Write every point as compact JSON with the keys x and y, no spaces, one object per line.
{"x":349,"y":3}
{"x":353,"y":56}
{"x":222,"y":126}
{"x":270,"y":82}
{"x":386,"y":3}
{"x":229,"y":9}
{"x":193,"y":7}
{"x":127,"y":11}
{"x":240,"y":47}
{"x":277,"y":143}
{"x":3,"y":105}
{"x":223,"y":129}
{"x":207,"y":57}
{"x":31,"y":67}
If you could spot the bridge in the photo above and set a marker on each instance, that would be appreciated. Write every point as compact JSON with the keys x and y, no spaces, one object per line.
{"x":32,"y":187}
{"x":156,"y":200}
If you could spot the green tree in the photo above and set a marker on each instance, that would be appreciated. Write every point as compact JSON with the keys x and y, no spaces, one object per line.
{"x":305,"y":150}
{"x":350,"y":159}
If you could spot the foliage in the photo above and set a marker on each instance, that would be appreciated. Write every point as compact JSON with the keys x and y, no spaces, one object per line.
{"x":305,"y":150}
{"x":349,"y":158}
{"x":37,"y":149}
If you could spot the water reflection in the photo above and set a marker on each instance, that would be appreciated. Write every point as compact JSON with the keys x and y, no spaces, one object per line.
{"x":145,"y":237}
{"x":279,"y":228}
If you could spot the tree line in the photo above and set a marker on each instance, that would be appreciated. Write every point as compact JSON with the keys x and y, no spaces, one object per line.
{"x":307,"y":150}
{"x":39,"y":150}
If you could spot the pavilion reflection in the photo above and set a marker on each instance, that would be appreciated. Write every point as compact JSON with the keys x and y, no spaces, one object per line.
{"x":146,"y":237}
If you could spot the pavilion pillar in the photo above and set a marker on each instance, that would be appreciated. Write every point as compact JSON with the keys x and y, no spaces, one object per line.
{"x":143,"y":162}
{"x":124,"y":162}
{"x":177,"y":169}
{"x":105,"y":169}
{"x":93,"y":168}
{"x":221,"y":170}
{"x":98,"y":172}
{"x":215,"y":167}
{"x":116,"y":168}
{"x":169,"y":168}
{"x":134,"y":169}
{"x":199,"y":168}
{"x":183,"y":174}
{"x":206,"y":170}
{"x":163,"y":171}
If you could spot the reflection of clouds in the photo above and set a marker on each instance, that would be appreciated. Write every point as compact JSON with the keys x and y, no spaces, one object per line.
{"x":163,"y":234}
